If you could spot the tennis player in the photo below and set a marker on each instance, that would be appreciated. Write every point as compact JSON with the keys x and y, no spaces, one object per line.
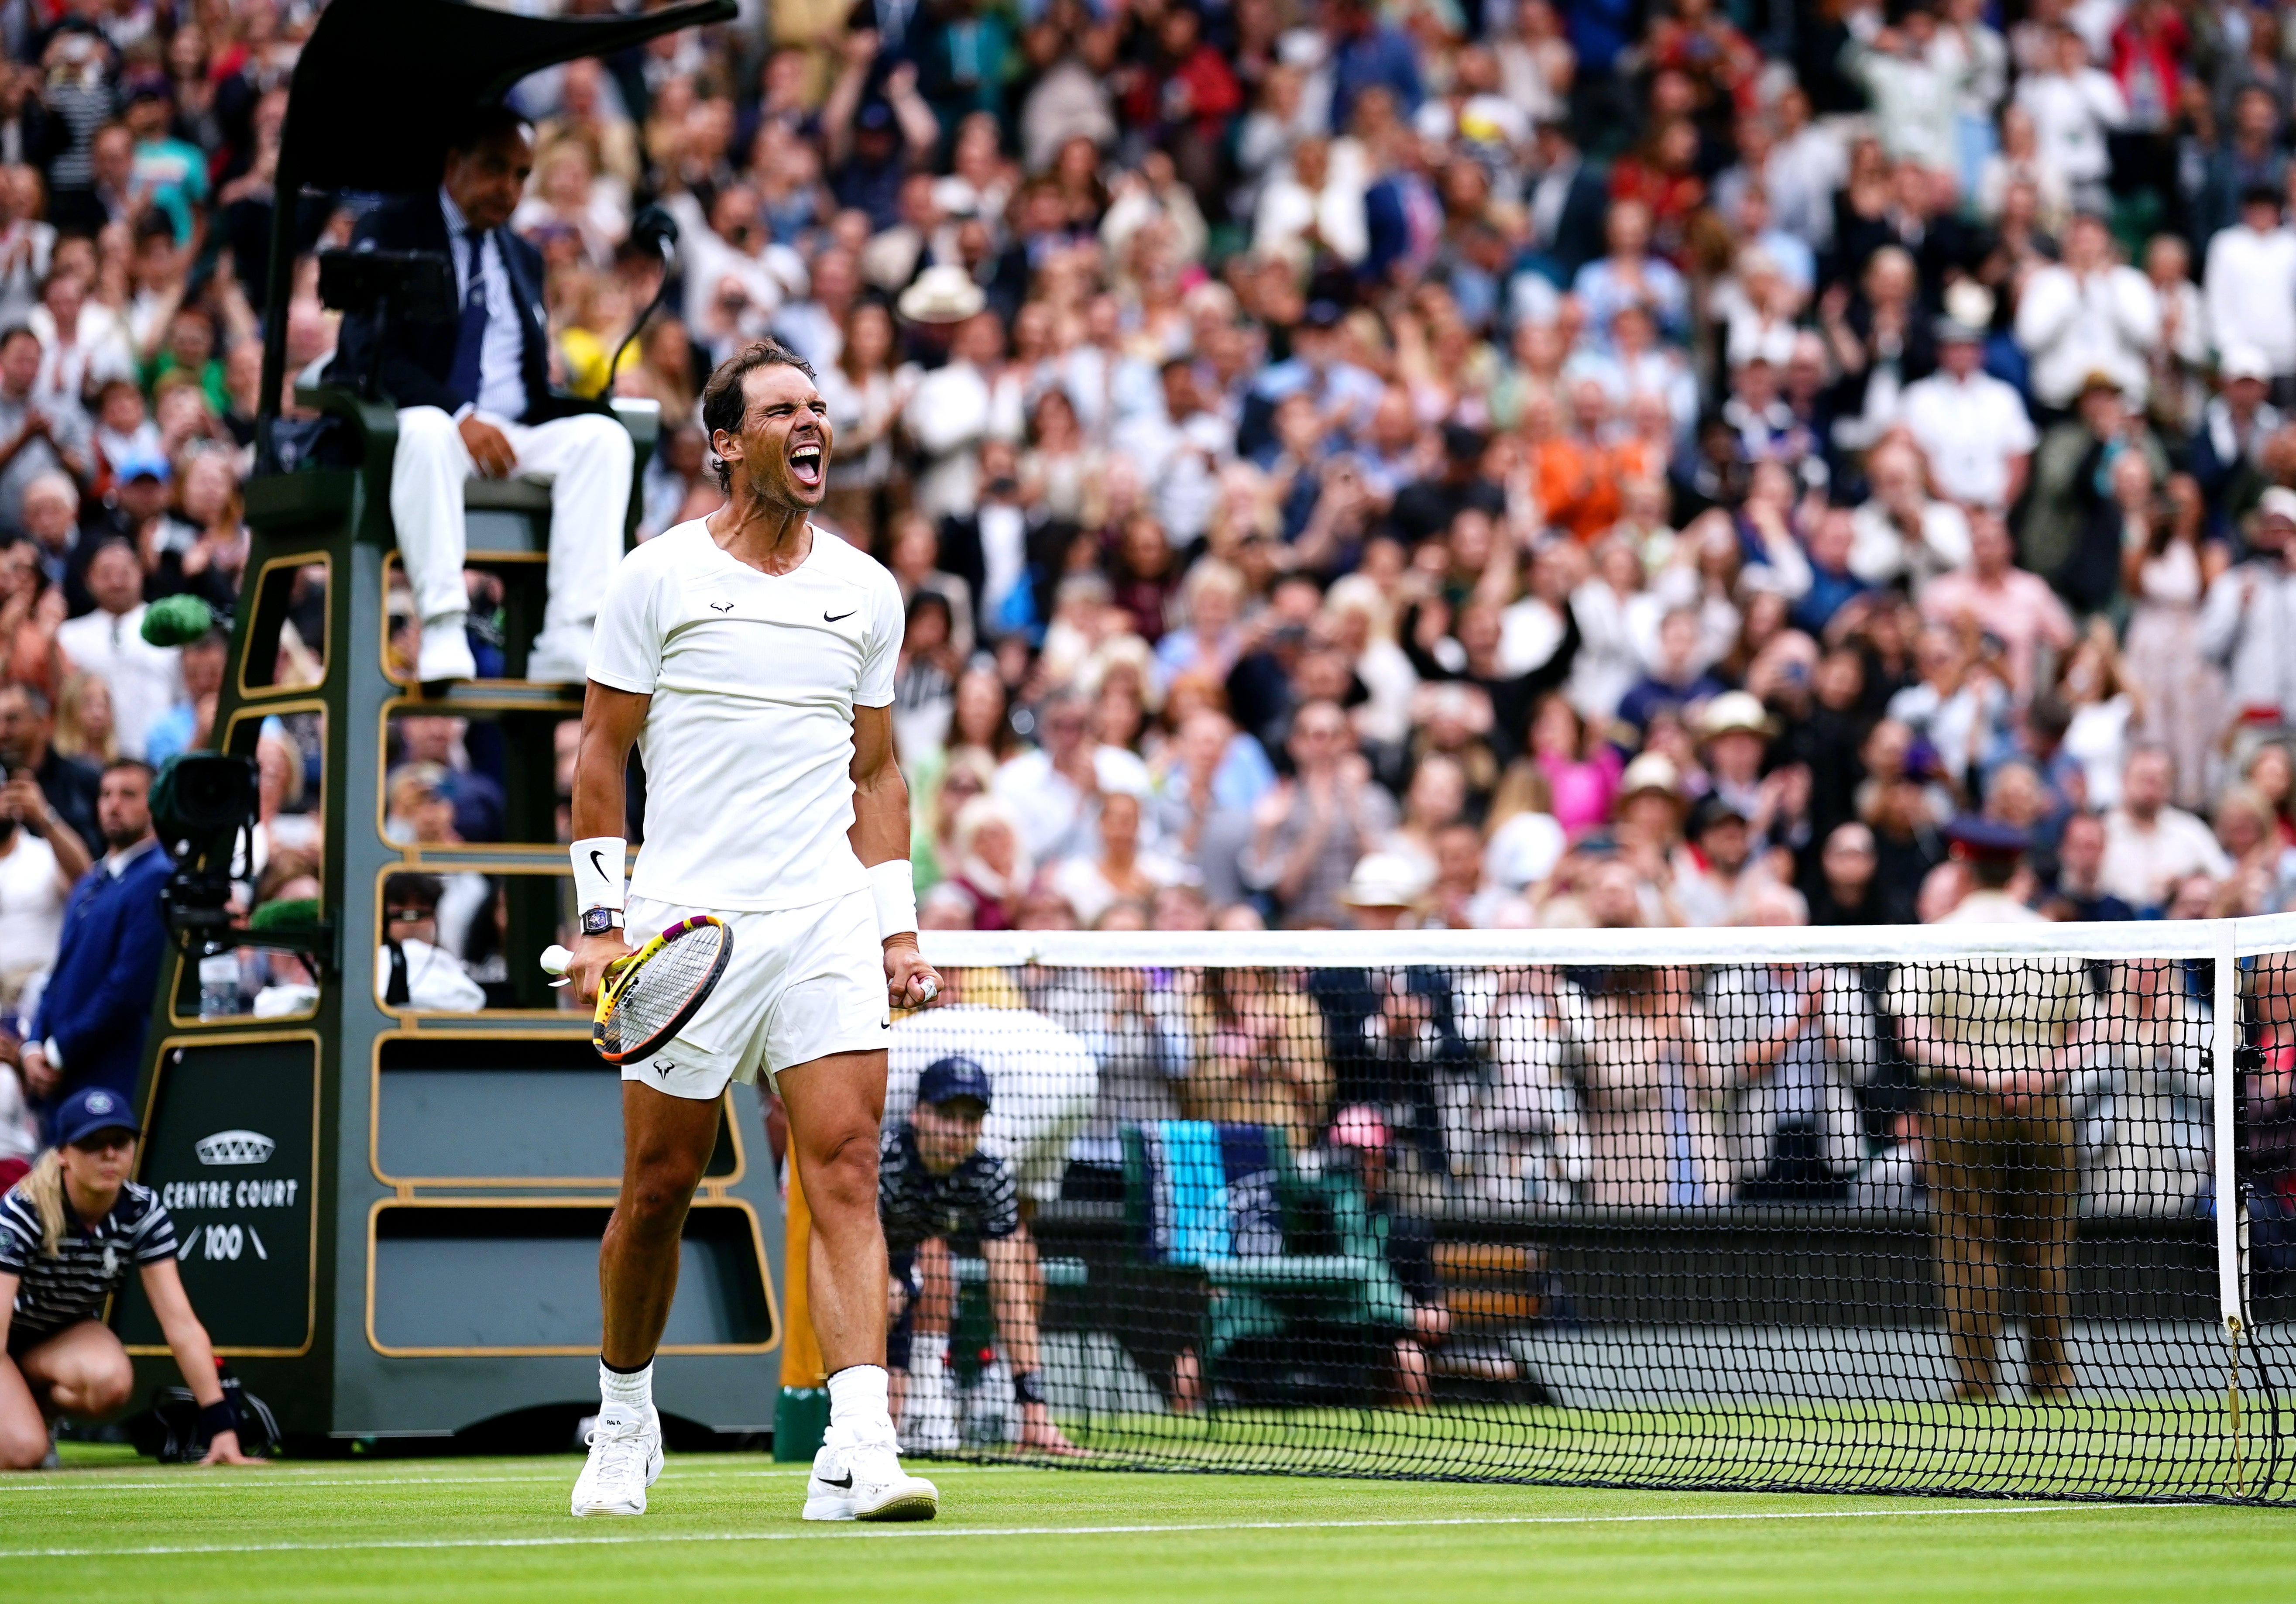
{"x":750,"y":657}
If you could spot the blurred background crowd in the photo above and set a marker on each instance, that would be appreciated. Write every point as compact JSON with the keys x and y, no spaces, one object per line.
{"x":1502,"y":465}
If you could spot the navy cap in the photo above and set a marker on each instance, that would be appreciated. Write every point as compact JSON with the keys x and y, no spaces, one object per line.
{"x":91,"y":1109}
{"x":1981,"y":837}
{"x":946,"y":1079}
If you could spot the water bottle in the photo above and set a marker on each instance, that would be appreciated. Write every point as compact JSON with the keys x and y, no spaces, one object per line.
{"x":219,"y":986}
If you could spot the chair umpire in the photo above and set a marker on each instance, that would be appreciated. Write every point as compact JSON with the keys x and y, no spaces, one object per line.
{"x":1994,"y":1040}
{"x":474,"y":399}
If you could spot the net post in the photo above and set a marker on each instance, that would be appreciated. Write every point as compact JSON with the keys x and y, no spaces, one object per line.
{"x":2223,"y":1089}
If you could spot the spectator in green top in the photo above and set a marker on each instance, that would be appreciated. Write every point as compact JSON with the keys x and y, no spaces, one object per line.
{"x":191,"y":350}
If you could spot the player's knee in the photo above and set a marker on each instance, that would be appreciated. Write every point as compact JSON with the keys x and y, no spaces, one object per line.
{"x":658,"y":1198}
{"x":845,"y":1168}
{"x":108,"y":1386}
{"x":22,"y":1447}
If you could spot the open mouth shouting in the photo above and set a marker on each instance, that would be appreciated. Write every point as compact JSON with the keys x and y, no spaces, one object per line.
{"x":806,"y":464}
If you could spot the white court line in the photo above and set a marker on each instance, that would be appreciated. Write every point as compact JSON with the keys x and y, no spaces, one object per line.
{"x":190,"y":1480}
{"x":923,"y":1533}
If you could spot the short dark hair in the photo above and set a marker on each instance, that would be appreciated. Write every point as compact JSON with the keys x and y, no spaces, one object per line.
{"x":722,"y":398}
{"x":413,"y":891}
{"x":14,"y":329}
{"x":137,"y":764}
{"x":481,"y":124}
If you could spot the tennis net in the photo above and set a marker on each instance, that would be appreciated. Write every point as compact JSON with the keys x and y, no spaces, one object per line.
{"x":1935,"y":1209}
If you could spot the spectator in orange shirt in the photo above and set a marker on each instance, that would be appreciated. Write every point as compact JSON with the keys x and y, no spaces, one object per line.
{"x":1574,"y":479}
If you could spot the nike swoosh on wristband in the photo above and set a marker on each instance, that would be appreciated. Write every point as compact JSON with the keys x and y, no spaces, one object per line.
{"x":598,"y":862}
{"x":834,"y":618}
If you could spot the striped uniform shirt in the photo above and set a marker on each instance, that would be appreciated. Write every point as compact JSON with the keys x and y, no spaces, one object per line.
{"x":91,"y":1265}
{"x":978,"y":1200}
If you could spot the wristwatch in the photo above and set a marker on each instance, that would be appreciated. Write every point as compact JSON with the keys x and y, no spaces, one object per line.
{"x":601,"y":921}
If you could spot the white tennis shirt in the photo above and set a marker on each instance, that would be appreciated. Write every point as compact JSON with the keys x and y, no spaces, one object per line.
{"x":747,"y":743}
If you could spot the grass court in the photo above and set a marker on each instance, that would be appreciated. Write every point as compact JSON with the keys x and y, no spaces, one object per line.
{"x":726,"y":1526}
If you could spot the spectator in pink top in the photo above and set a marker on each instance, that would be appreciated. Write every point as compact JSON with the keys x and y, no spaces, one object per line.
{"x":1584,"y":784}
{"x":2002,"y":600}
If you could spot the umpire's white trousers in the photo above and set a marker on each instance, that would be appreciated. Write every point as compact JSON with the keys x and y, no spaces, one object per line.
{"x":589,"y":458}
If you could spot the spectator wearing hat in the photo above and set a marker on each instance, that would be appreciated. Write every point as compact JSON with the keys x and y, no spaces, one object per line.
{"x":2236,"y":422}
{"x":88,"y":1028}
{"x":2251,"y":278}
{"x":2247,"y":624}
{"x":1716,"y":870}
{"x":70,"y":1232}
{"x":940,"y":1194}
{"x":1972,"y":429}
{"x":960,"y":404}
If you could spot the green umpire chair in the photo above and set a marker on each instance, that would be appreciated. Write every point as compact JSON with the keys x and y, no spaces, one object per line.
{"x":391,"y":1213}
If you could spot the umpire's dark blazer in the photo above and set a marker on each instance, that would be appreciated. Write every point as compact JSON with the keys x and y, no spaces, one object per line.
{"x":419,"y":356}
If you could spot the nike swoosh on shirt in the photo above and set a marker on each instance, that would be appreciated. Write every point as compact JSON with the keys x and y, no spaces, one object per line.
{"x":831,"y":618}
{"x":721,"y":607}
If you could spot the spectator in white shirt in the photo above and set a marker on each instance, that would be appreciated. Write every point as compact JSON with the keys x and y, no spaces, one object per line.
{"x":145,"y":680}
{"x":2248,"y":622}
{"x":2251,"y":283}
{"x":2090,"y":314}
{"x":2073,"y":107}
{"x":2149,"y":846}
{"x":1971,"y":428}
{"x":1903,"y":535}
{"x":1915,"y":90}
{"x":960,"y":404}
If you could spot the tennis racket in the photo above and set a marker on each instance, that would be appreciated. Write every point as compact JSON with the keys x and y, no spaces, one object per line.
{"x":646,"y":997}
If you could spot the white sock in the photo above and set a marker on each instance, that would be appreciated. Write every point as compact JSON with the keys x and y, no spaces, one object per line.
{"x":856,"y":1396}
{"x":630,"y":1389}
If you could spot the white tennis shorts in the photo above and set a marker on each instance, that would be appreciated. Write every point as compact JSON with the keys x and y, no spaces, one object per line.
{"x":802,"y":982}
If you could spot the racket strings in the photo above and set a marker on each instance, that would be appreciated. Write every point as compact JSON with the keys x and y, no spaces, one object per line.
{"x":651,"y":999}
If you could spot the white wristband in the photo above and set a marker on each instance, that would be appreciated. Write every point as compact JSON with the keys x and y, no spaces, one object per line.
{"x":893,"y":886}
{"x":598,"y":866}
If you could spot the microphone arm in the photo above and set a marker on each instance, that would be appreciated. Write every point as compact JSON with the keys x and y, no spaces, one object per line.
{"x":655,"y":224}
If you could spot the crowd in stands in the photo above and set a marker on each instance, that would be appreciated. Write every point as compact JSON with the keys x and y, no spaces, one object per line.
{"x":1505,"y":465}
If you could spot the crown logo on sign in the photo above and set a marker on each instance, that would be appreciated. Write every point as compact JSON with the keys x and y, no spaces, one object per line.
{"x":235,"y":1148}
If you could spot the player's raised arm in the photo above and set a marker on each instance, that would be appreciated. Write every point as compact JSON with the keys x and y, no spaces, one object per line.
{"x":610,"y":722}
{"x":881,"y":840}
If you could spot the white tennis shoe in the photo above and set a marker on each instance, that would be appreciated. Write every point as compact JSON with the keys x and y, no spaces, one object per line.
{"x":625,"y":1458}
{"x":858,"y":1476}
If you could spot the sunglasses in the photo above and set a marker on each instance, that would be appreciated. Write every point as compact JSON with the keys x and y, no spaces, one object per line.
{"x":106,"y":1142}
